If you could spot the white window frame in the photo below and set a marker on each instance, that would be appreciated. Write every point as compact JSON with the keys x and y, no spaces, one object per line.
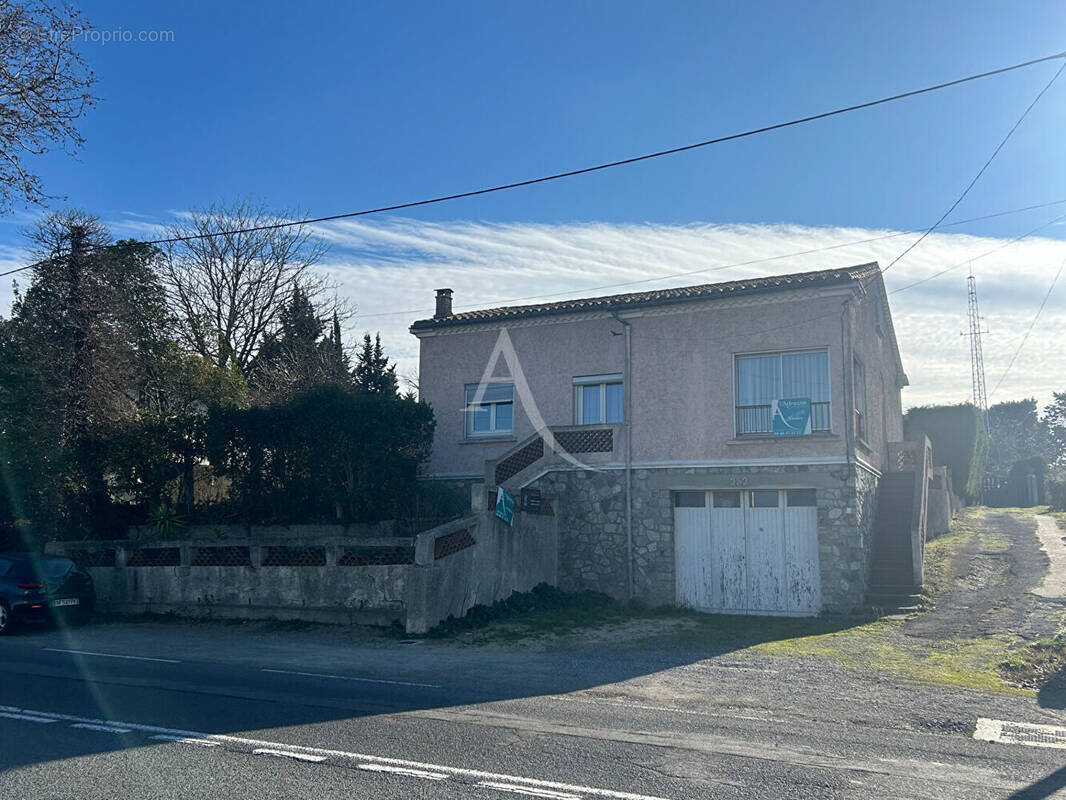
{"x":828,"y":350}
{"x":603,"y":381}
{"x":468,"y":413}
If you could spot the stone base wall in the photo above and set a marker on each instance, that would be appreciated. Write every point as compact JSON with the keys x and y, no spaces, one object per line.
{"x":592,"y":531}
{"x":591,"y":508}
{"x":847,"y":519}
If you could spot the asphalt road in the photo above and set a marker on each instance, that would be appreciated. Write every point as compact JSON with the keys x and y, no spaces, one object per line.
{"x":193,"y":711}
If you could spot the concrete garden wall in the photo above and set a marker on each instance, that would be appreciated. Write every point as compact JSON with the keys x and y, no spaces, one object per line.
{"x":413,"y":581}
{"x":506,"y":559}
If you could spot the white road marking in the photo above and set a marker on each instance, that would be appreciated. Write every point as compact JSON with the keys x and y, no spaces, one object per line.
{"x":242,"y":742}
{"x":1027,"y":733}
{"x":510,"y":787}
{"x":350,"y":678}
{"x":185,"y":740}
{"x":988,"y":730}
{"x":26,"y":717}
{"x":270,"y":751}
{"x":111,"y":655}
{"x":411,"y":773}
{"x":104,"y":727}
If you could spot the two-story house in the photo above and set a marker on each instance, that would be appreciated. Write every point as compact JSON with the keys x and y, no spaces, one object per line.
{"x":717,"y":446}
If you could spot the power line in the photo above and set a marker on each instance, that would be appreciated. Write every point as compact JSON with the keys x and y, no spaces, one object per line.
{"x":753,"y":261}
{"x":1032,"y":324}
{"x":1008,"y":243}
{"x":836,"y":312}
{"x":981,"y":171}
{"x":609,"y":164}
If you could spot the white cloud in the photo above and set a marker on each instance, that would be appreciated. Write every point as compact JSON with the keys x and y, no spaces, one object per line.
{"x":390,"y":267}
{"x":394,"y":266}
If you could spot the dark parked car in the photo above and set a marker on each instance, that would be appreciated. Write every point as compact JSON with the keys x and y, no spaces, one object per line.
{"x":36,"y":588}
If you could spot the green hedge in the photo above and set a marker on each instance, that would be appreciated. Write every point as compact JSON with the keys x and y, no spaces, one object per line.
{"x":1055,"y":488}
{"x":959,"y":440}
{"x":327,"y":456}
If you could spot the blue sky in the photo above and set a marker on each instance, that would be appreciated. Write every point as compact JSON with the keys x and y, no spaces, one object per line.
{"x":329,"y":107}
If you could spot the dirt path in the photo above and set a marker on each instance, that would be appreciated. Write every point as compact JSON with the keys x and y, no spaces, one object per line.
{"x":982,"y":611}
{"x":983,"y":581}
{"x":1053,"y":542}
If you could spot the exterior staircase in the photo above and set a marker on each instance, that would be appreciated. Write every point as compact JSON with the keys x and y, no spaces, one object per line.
{"x":895,"y":580}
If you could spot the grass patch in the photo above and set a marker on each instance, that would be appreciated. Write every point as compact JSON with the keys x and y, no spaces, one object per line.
{"x":1041,"y":663}
{"x":883,"y":646}
{"x":1029,"y":510}
{"x":880,"y":646}
{"x":543,"y":611}
{"x":944,"y":555}
{"x":547,"y":612}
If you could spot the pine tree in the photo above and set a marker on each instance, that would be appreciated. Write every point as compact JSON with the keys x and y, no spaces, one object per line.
{"x":300,"y":326}
{"x":79,"y":358}
{"x":291,"y":361}
{"x":338,"y":366}
{"x":372,"y":373}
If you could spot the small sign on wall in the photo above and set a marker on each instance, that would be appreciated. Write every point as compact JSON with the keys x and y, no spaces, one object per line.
{"x":505,"y":505}
{"x":531,"y":501}
{"x":791,"y":416}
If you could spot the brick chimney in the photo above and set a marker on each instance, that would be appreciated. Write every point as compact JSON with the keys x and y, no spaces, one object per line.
{"x":444,"y":304}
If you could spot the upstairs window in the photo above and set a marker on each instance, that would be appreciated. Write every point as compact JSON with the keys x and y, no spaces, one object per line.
{"x":765,"y":378}
{"x":858,"y":383}
{"x":597,"y":399}
{"x":489,"y":409}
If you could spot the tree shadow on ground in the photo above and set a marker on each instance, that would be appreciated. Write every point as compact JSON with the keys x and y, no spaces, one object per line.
{"x":1053,"y":693}
{"x":39,"y":671}
{"x":1045,"y":787}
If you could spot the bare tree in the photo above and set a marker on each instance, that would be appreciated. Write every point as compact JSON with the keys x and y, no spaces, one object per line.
{"x":409,"y":381}
{"x":44,"y":90}
{"x":228,"y":291}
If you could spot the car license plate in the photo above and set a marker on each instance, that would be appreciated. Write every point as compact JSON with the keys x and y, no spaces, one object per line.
{"x":67,"y":601}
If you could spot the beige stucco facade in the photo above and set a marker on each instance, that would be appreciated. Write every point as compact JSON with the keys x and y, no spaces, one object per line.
{"x":617,"y":501}
{"x":681,"y":376}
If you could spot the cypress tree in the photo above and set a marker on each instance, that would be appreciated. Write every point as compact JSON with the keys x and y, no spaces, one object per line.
{"x":373,"y":374}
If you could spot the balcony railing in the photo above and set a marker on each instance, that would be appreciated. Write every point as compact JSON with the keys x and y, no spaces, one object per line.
{"x":759,"y":419}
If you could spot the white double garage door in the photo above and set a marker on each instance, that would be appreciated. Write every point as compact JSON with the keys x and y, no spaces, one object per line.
{"x":748,"y":551}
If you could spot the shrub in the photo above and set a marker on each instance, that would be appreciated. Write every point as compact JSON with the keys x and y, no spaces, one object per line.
{"x":329,"y":455}
{"x":1055,"y":489}
{"x":959,"y":440}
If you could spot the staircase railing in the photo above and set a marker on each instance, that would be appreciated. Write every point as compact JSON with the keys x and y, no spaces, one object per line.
{"x":571,"y":446}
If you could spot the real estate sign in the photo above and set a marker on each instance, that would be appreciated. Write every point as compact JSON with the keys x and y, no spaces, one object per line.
{"x":791,"y":416}
{"x":505,"y":505}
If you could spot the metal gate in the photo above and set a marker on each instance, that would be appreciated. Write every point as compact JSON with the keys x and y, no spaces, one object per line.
{"x":748,"y":552}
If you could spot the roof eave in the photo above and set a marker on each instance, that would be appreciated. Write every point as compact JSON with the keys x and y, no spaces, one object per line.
{"x":848,"y":276}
